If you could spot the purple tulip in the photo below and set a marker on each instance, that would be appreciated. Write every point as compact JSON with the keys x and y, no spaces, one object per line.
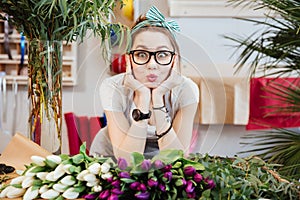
{"x":158,"y":164}
{"x":198,"y":178}
{"x":162,"y":187}
{"x":146,"y":165}
{"x":167,"y":168}
{"x":116,"y":183}
{"x":191,"y":195}
{"x":117,"y":191}
{"x":180,"y":182}
{"x":142,"y":195}
{"x":152,"y":183}
{"x":210,"y":183}
{"x":189,"y":187}
{"x":189,"y":170}
{"x":113,"y":197}
{"x":168,"y":176}
{"x":134,"y":185}
{"x":124,"y":175}
{"x":142,"y":187}
{"x":104,"y":194}
{"x":90,"y":196}
{"x":122,"y":163}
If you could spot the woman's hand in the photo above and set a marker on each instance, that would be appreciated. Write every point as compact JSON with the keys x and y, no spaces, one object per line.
{"x":142,"y":93}
{"x":172,"y":81}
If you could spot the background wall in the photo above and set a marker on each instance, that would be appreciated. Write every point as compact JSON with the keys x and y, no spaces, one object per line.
{"x":205,"y":52}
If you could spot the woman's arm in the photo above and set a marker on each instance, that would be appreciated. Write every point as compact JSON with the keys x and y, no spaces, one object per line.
{"x":179,"y":137}
{"x":126,"y":139}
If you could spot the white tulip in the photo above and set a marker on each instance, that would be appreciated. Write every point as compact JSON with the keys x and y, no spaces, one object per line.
{"x":70,"y":194}
{"x":27,"y":182}
{"x":14,"y":192}
{"x":68,"y":180}
{"x":97,"y":188}
{"x":54,"y":158}
{"x":38,"y":160}
{"x":50,"y":177}
{"x":67,"y":168}
{"x":82,"y":174}
{"x":90,"y":177}
{"x":105,"y":167}
{"x":93,"y":183}
{"x":29,"y":172}
{"x":50,"y":194}
{"x":30,"y":194}
{"x":60,"y":187}
{"x":52,"y":161}
{"x":106,"y":175}
{"x":3,"y":193}
{"x":43,"y":189}
{"x":17,"y":180}
{"x":95,"y":168}
{"x":42,"y":175}
{"x":19,"y":172}
{"x":59,"y":171}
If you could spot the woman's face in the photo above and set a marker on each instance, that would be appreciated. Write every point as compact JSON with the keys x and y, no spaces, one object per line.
{"x":151,"y":73}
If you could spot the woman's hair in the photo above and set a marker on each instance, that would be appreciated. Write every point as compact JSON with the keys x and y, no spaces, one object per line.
{"x":155,"y":28}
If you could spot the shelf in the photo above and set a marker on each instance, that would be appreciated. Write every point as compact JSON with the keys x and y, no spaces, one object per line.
{"x":11,"y":66}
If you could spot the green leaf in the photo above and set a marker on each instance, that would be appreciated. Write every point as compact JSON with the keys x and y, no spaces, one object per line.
{"x":169,"y":155}
{"x":137,"y":159}
{"x":77,"y":159}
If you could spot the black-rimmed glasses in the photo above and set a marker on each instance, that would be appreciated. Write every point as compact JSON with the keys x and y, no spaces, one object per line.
{"x":141,"y":57}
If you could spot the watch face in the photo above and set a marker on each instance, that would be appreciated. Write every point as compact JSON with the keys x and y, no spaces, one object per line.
{"x":136,"y":114}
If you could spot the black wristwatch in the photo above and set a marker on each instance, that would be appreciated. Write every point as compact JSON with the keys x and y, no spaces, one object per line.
{"x":137,"y":115}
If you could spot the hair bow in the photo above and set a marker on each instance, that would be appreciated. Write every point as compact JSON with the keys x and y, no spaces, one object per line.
{"x":156,"y":18}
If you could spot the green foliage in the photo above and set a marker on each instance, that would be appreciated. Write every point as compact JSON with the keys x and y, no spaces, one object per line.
{"x":248,"y":178}
{"x":275,"y":50}
{"x":60,"y":19}
{"x":278,"y":146}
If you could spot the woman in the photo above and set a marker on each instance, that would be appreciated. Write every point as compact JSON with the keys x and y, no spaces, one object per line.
{"x":152,"y":106}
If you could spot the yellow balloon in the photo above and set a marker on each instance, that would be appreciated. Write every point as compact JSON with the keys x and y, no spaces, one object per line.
{"x":128,"y":9}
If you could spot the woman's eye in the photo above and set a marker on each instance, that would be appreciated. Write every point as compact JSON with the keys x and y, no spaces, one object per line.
{"x":163,"y":54}
{"x":141,"y":55}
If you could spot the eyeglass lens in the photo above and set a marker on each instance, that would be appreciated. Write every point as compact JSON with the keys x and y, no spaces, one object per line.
{"x":142,"y":57}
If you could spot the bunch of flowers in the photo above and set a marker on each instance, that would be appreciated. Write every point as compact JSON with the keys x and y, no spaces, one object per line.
{"x":167,"y":176}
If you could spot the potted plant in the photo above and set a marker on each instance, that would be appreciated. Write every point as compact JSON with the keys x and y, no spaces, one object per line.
{"x":276,"y":52}
{"x":45,"y":24}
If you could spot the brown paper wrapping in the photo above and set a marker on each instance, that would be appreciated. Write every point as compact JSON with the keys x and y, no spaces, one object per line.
{"x":19,"y":151}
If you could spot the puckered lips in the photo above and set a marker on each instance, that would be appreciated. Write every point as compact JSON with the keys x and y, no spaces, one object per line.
{"x":151,"y":77}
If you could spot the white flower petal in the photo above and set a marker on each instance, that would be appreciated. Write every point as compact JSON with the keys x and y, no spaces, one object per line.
{"x":70,"y":194}
{"x":15,"y":192}
{"x":27,"y":182}
{"x":50,"y":177}
{"x":54,"y":158}
{"x":90,"y":177}
{"x":50,"y":194}
{"x":68,"y":180}
{"x":82,"y":174}
{"x":105,"y":167}
{"x":30,"y":194}
{"x":43,"y":189}
{"x":59,"y":171}
{"x":38,"y":160}
{"x":42,"y":175}
{"x":97,"y":188}
{"x":106,"y":176}
{"x":95,"y":168}
{"x":60,"y":187}
{"x":17,"y":180}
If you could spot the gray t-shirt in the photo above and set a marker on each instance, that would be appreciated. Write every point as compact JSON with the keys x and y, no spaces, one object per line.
{"x":118,"y":98}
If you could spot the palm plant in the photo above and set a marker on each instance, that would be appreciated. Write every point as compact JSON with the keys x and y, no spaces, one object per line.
{"x":275,"y":51}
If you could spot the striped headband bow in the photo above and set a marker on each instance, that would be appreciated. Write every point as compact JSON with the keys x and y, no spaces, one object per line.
{"x":155,"y":18}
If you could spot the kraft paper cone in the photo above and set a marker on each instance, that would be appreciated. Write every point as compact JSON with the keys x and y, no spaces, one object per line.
{"x":19,"y":151}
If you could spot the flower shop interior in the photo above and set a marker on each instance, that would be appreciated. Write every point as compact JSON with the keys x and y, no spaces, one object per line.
{"x":230,"y":96}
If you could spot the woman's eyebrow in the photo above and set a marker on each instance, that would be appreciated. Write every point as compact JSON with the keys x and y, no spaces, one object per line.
{"x":146,"y":47}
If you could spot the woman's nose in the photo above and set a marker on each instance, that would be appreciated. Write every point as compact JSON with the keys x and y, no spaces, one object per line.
{"x":152,"y":63}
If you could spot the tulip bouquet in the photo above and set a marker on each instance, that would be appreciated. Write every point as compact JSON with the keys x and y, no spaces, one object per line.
{"x":167,"y":176}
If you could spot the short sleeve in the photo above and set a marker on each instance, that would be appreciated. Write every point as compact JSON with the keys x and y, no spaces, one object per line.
{"x":189,"y":93}
{"x":112,"y":95}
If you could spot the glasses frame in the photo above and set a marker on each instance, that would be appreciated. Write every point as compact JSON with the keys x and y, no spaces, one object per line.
{"x":151,"y":53}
